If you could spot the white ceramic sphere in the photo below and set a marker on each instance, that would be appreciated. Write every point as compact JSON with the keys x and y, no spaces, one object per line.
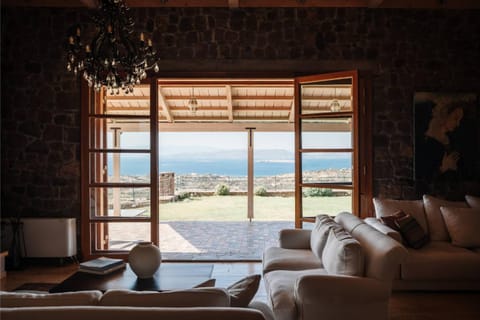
{"x":145,"y":259}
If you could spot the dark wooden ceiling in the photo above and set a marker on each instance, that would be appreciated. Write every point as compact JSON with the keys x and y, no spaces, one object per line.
{"x":428,"y":4}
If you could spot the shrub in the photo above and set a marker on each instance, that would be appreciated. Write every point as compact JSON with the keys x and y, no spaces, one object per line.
{"x":318,"y":192}
{"x":261,"y":192}
{"x":222,"y":190}
{"x":183,"y":196}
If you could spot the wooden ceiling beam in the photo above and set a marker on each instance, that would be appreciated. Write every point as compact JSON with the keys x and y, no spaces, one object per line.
{"x":291,"y":116}
{"x":425,"y":4}
{"x":165,"y":106}
{"x":91,"y":4}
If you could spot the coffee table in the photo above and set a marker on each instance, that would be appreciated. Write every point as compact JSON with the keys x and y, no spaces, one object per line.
{"x":170,"y":276}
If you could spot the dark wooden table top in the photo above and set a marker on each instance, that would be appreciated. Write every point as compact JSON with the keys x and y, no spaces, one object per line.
{"x":170,"y":276}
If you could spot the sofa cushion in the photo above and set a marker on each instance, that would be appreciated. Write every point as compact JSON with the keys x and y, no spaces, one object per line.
{"x":436,"y":225}
{"x":343,"y":255}
{"x":473,"y":201}
{"x":440,"y":260}
{"x":411,"y":231}
{"x":348,"y":221}
{"x":200,"y":297}
{"x":319,"y":234}
{"x":388,"y":207}
{"x":275,"y":258}
{"x":22,"y":299}
{"x":463,"y":225}
{"x":280,"y":286}
{"x":243,"y":291}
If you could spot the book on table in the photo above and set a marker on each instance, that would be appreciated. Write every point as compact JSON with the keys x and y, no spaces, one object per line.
{"x":102,"y":265}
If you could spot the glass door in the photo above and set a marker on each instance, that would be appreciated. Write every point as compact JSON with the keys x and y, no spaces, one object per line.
{"x":326,"y":157}
{"x":119,"y":192}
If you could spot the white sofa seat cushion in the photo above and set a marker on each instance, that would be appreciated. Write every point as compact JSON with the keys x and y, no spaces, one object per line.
{"x":275,"y":258}
{"x":280,"y":286}
{"x":440,"y":260}
{"x":201,"y":297}
{"x":22,"y":299}
{"x":343,"y":255}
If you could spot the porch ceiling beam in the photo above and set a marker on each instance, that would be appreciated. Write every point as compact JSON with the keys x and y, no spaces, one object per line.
{"x":228,"y":88}
{"x":165,"y":106}
{"x":291,"y":117}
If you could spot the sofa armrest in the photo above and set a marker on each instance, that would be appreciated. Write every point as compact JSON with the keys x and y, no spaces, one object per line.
{"x":294,"y":238}
{"x":341,"y":297}
{"x":377,"y":224}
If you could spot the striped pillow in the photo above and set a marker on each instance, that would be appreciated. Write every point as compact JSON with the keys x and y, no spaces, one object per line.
{"x":412,"y":232}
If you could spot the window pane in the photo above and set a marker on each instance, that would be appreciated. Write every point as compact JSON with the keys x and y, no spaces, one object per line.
{"x":329,"y":133}
{"x":120,"y":167}
{"x":331,"y":167}
{"x":120,"y":202}
{"x":119,"y":133}
{"x":317,"y":201}
{"x":121,"y":236}
{"x":326,"y":96}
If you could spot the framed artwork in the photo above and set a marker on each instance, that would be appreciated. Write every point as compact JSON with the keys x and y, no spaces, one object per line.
{"x":446,"y":142}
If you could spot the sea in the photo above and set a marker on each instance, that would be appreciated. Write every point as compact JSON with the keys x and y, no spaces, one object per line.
{"x":229,"y":167}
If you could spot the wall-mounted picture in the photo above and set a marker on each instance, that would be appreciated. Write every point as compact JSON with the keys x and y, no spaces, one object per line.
{"x":446,"y":142}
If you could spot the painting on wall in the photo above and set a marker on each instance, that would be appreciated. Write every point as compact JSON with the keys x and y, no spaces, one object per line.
{"x":446,"y":143}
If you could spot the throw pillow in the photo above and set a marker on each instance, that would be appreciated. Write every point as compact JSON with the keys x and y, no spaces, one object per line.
{"x":319,"y":234}
{"x":463,"y":225}
{"x":436,"y":225}
{"x":343,"y":255}
{"x":411,"y":231}
{"x":243,"y":291}
{"x":390,"y":220}
{"x":473,"y":201}
{"x":388,"y":207}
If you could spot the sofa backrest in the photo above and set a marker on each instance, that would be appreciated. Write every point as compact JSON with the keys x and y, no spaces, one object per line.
{"x":128,"y":313}
{"x":383,"y":255}
{"x":198,"y":297}
{"x":24,"y":299}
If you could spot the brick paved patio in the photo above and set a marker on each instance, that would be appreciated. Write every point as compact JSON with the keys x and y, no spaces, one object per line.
{"x":207,"y":240}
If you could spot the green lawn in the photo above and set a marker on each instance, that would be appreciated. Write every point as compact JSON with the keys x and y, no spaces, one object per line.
{"x":234,"y":208}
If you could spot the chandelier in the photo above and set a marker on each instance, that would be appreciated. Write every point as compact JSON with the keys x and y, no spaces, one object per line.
{"x":113,"y":58}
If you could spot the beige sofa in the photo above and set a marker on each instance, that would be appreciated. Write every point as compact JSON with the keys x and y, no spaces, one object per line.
{"x":203,"y":303}
{"x":451,"y":259}
{"x":330,"y":272}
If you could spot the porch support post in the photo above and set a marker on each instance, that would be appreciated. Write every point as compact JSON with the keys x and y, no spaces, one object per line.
{"x":116,"y":171}
{"x":250,"y":176}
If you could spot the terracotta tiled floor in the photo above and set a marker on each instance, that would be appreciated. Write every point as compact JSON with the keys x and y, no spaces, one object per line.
{"x":206,"y":240}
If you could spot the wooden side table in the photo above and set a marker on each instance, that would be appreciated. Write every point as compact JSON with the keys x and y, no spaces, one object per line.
{"x":3,"y":273}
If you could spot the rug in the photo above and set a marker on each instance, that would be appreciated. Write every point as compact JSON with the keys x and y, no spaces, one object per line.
{"x":35,"y":286}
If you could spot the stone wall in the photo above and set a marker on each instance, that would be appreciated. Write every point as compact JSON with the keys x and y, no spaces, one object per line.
{"x":404,"y":50}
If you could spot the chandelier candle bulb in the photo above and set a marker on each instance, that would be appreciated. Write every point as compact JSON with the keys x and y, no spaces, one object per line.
{"x":142,"y":37}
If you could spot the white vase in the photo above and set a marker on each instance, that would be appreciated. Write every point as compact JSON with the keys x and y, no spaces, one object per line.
{"x":145,"y":259}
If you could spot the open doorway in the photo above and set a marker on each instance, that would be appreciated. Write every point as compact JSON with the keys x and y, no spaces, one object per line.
{"x":222,"y":164}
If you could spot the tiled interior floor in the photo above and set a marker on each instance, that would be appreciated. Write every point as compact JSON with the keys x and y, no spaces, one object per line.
{"x":211,"y":240}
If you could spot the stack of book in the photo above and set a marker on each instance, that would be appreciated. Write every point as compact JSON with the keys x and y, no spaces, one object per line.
{"x":102,"y":265}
